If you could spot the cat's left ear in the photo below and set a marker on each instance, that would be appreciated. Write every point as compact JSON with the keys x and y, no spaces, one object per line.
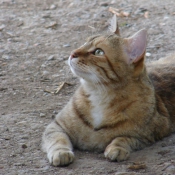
{"x":113,"y":27}
{"x":135,"y":46}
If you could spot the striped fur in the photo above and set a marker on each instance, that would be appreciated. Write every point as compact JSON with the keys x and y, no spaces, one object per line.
{"x":116,"y":109}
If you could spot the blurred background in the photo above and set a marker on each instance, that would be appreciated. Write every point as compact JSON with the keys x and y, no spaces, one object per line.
{"x":36,"y":38}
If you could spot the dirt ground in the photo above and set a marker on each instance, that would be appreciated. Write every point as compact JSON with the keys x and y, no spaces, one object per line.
{"x":36,"y":38}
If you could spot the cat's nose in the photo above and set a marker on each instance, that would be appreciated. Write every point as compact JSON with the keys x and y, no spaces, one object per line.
{"x":73,"y":55}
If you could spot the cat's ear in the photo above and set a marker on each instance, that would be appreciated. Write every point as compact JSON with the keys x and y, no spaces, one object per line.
{"x":113,"y":27}
{"x":135,"y":46}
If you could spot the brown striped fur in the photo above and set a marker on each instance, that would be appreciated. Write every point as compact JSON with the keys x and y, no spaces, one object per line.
{"x":119,"y":107}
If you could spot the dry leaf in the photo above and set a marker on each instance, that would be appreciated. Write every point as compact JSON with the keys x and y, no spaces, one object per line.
{"x":146,"y":14}
{"x":59,"y":87}
{"x":52,"y":25}
{"x":118,"y":13}
{"x":114,"y":11}
{"x":125,"y":14}
{"x":20,"y":23}
{"x":91,"y":27}
{"x":137,"y":166}
{"x":57,"y":90}
{"x":48,"y":91}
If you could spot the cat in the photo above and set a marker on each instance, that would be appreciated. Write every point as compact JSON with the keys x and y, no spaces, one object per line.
{"x":120,"y":106}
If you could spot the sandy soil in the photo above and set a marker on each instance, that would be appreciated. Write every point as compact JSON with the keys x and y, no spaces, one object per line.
{"x":36,"y":38}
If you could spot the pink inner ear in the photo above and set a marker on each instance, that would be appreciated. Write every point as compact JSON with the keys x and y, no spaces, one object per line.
{"x":136,"y":46}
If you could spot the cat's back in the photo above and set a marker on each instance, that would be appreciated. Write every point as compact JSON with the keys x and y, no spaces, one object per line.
{"x":162,"y":75}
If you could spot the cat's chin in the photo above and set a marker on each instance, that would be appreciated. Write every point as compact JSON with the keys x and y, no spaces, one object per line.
{"x":75,"y":70}
{"x":80,"y":73}
{"x":85,"y":76}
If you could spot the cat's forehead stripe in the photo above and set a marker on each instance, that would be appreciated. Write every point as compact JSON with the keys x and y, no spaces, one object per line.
{"x":92,"y":38}
{"x":98,"y":42}
{"x":97,"y":39}
{"x":101,"y":39}
{"x":91,"y":41}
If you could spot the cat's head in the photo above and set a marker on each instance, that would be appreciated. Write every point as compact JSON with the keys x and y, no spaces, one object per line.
{"x":110,"y":58}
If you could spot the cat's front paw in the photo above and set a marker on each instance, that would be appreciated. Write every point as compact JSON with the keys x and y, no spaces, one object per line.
{"x":61,"y":157}
{"x":116,"y":153}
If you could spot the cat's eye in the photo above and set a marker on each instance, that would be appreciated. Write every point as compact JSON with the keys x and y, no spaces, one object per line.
{"x":99,"y":52}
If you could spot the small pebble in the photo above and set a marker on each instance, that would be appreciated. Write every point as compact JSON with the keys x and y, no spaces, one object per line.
{"x":46,"y":16}
{"x":53,"y":6}
{"x":66,"y":45}
{"x":37,"y":166}
{"x":53,"y":116}
{"x":24,"y":146}
{"x":43,"y":65}
{"x":6,"y":57}
{"x":55,"y":112}
{"x":52,"y":25}
{"x":163,"y":145}
{"x":124,"y":173}
{"x":51,"y":57}
{"x":60,"y":59}
{"x":56,"y":75}
{"x":20,"y":23}
{"x":42,"y":115}
{"x":24,"y":137}
{"x":13,"y":155}
{"x":104,"y":4}
{"x":2,"y":89}
{"x":166,"y":17}
{"x":148,"y":54}
{"x":2,"y":27}
{"x":7,"y":138}
{"x":22,"y":123}
{"x":45,"y":73}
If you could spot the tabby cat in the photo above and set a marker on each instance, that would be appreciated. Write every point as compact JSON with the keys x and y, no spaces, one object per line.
{"x":120,"y":106}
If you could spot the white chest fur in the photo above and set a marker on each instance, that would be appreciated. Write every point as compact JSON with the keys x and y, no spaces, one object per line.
{"x":97,"y":110}
{"x":99,"y":101}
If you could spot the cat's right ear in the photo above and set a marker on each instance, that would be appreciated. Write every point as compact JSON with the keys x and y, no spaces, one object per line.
{"x":113,"y":27}
{"x":135,"y":46}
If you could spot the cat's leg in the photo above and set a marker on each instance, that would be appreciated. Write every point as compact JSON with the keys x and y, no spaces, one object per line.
{"x":57,"y":145}
{"x":119,"y":149}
